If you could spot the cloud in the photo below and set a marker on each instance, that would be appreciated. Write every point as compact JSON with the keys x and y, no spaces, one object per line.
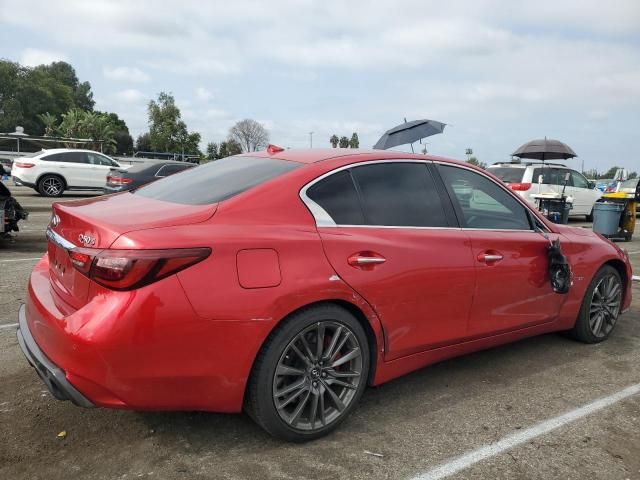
{"x":32,"y":57}
{"x":128,"y":74}
{"x":203,"y":94}
{"x":130,"y":95}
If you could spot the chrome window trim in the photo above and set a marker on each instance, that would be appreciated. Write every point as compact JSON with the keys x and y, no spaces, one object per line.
{"x":59,"y":240}
{"x":323,"y":219}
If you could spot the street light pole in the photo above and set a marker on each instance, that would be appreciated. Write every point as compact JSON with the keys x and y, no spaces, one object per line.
{"x":310,"y":139}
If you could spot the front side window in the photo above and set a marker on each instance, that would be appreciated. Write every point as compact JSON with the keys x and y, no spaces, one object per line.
{"x":481,"y":202}
{"x":578,"y":180}
{"x":97,"y":159}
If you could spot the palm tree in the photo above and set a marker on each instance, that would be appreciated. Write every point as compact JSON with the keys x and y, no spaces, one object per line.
{"x":334,"y":140}
{"x":49,"y":121}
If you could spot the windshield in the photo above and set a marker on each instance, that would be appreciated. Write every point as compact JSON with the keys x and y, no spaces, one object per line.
{"x":216,"y":181}
{"x":508,"y":174}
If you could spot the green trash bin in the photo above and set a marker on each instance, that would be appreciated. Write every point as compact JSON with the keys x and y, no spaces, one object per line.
{"x":606,"y":217}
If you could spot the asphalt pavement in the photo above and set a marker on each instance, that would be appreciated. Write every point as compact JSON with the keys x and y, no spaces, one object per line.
{"x":546,"y":407}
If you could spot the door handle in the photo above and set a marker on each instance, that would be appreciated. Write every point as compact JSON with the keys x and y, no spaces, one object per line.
{"x":365,"y":259}
{"x":490,"y":257}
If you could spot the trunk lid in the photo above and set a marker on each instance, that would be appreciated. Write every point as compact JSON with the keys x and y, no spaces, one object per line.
{"x":96,"y":223}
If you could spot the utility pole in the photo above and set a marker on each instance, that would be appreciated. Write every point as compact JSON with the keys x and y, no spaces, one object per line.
{"x":310,"y":139}
{"x":468,"y":152}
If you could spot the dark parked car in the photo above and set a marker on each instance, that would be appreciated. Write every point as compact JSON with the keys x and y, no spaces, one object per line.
{"x":120,"y":180}
{"x":5,"y":166}
{"x":11,"y":212}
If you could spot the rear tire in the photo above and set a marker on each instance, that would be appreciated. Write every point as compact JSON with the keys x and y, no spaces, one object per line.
{"x":589,"y":218}
{"x":301,"y":389}
{"x":600,"y":307}
{"x":51,"y":186}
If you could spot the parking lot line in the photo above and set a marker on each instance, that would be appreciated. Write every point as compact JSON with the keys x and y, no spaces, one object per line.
{"x":466,"y":460}
{"x":10,"y":260}
{"x":8,"y":325}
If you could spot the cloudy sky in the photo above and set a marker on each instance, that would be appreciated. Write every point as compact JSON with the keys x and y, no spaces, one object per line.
{"x":498,"y":72}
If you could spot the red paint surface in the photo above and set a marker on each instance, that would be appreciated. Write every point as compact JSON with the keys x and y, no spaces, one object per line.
{"x":188,"y":341}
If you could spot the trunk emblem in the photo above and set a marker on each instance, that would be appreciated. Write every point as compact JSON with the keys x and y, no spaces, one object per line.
{"x":86,"y":239}
{"x":55,"y":220}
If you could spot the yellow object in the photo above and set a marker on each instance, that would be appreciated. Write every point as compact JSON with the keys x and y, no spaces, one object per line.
{"x":62,"y":434}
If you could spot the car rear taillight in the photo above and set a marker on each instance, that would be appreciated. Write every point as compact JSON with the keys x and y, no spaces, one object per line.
{"x":520,"y":187}
{"x":130,"y":269}
{"x":118,"y":180}
{"x":24,"y":164}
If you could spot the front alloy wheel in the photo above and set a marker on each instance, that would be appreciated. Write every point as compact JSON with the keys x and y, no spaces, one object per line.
{"x":600,"y":307}
{"x":605,"y":305}
{"x":309,"y":374}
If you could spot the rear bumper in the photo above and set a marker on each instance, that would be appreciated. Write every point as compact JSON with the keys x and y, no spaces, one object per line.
{"x":54,"y":377}
{"x":22,"y":183}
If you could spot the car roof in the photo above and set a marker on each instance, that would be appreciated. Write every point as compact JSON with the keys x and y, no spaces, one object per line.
{"x":67,"y":150}
{"x":314,"y":155}
{"x":528,"y":164}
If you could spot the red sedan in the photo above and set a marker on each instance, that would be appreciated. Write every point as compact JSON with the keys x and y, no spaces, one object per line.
{"x":283,"y":283}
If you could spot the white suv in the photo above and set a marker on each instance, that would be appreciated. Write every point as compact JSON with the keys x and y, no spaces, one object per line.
{"x":51,"y":172}
{"x":523,"y":179}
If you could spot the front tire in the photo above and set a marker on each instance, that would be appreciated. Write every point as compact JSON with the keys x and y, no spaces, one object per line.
{"x":51,"y":186}
{"x":310,"y":374}
{"x":600,"y":307}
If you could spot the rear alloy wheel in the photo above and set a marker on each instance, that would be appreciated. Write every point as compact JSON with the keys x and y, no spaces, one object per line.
{"x":51,"y":186}
{"x":310,"y":375}
{"x":600,"y":307}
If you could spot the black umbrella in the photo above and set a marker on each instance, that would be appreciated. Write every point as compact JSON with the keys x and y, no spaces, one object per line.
{"x":545,"y":149}
{"x":409,"y":132}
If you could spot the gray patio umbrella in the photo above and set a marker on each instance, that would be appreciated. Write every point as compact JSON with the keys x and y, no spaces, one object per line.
{"x":409,"y":132}
{"x":545,"y":149}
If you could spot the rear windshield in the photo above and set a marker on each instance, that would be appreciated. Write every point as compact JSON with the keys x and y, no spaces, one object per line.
{"x":508,"y":174}
{"x":216,"y":181}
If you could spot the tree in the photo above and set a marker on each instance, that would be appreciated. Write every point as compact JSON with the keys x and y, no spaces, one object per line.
{"x":167,"y":131}
{"x":124,"y":140}
{"x":633,"y":175}
{"x":212,"y":151}
{"x":476,"y":162}
{"x":344,"y":142}
{"x":143,"y":142}
{"x":334,"y":140}
{"x":355,"y":141}
{"x":26,"y":93}
{"x":50,"y":123}
{"x":233,"y":147}
{"x":249,"y":134}
{"x":610,"y":173}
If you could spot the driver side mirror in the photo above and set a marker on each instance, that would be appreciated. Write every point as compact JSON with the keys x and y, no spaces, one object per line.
{"x":591,"y":184}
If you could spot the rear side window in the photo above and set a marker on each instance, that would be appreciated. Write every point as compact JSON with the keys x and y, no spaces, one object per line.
{"x":550,"y":175}
{"x":67,"y":157}
{"x":167,"y":170}
{"x":399,"y":195}
{"x":508,"y":174}
{"x":216,"y":181}
{"x":337,"y":195}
